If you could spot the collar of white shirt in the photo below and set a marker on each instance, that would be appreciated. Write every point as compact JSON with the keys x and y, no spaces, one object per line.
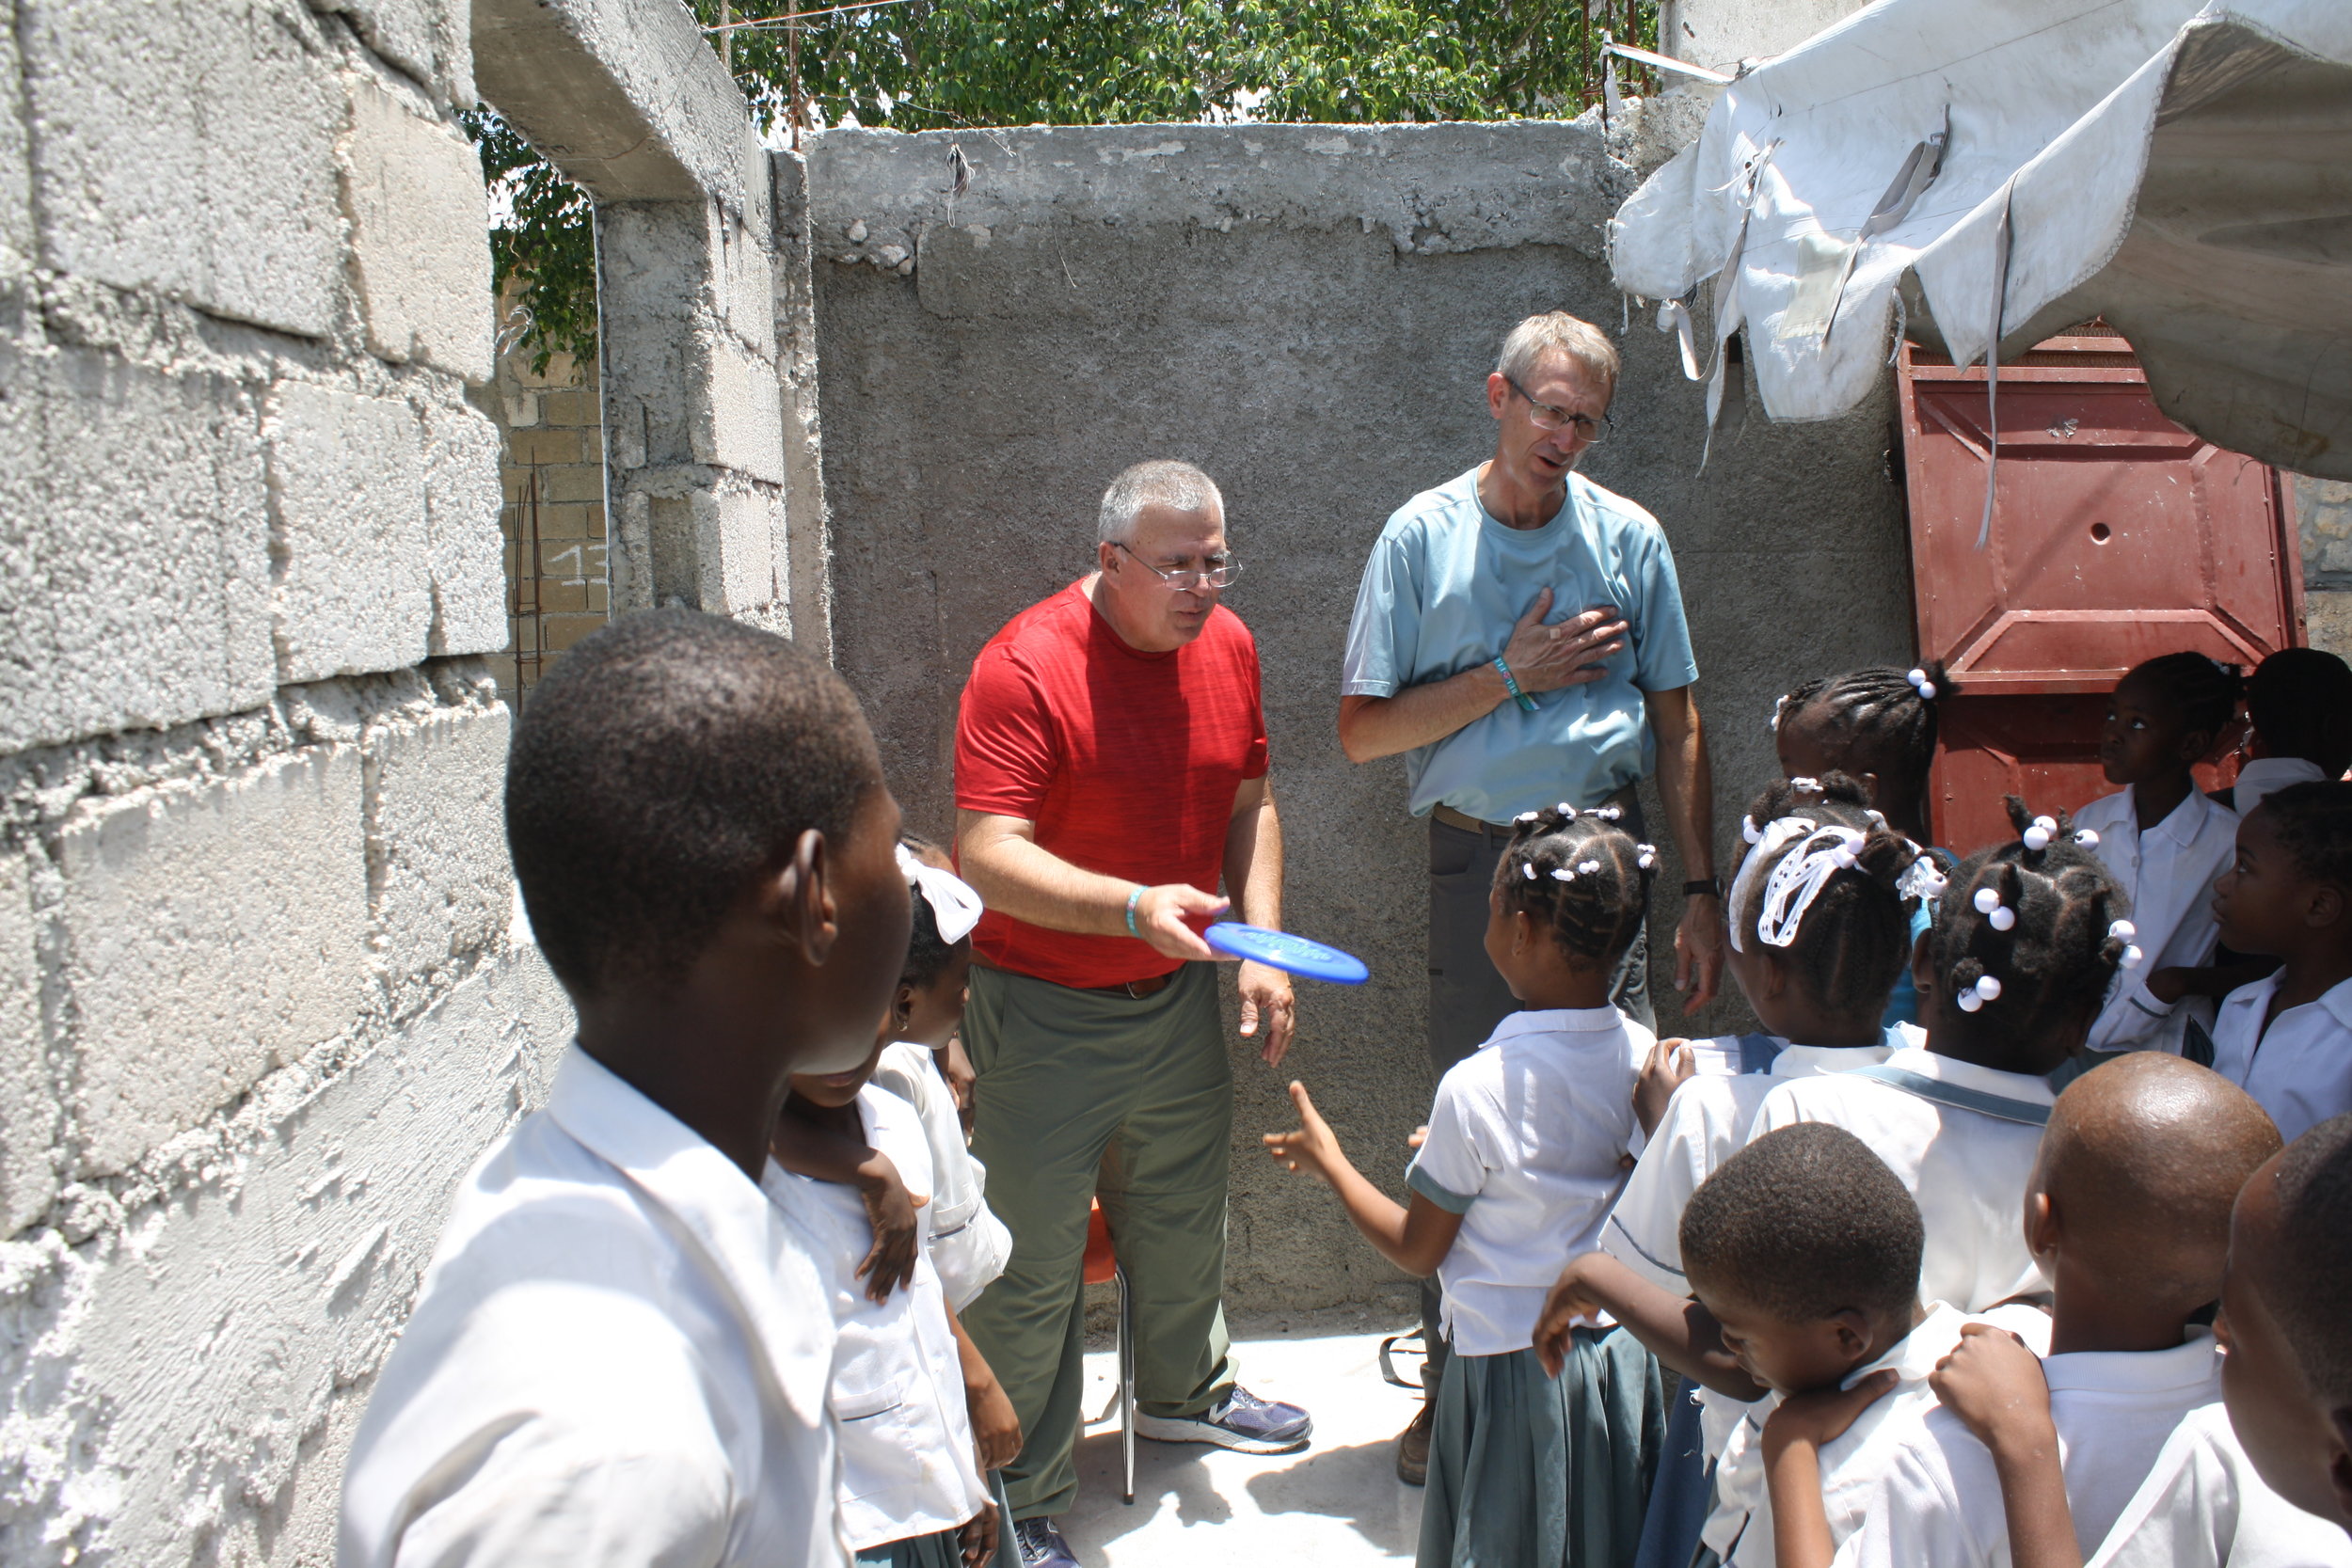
{"x":1558,"y":1020}
{"x":2255,"y":997}
{"x":719,"y":1209}
{"x":1968,"y":1075}
{"x":2187,"y":820}
{"x":2194,"y":1362}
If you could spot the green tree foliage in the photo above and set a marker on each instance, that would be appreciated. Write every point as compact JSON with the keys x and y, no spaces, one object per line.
{"x":922,"y":65}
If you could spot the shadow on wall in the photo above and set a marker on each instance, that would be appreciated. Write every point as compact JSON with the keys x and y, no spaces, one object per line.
{"x":1309,"y":312}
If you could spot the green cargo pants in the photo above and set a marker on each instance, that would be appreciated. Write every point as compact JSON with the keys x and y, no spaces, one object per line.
{"x":1087,"y":1092}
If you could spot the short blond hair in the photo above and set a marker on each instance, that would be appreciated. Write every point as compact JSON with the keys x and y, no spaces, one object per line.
{"x":1557,"y":332}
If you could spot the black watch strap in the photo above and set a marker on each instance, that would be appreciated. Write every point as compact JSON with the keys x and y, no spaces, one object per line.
{"x":1712,"y":886}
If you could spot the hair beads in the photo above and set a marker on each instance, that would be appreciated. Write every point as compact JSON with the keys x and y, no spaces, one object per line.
{"x":1919,"y":683}
{"x":1987,"y":988}
{"x":2122,"y":931}
{"x":1997,"y":914}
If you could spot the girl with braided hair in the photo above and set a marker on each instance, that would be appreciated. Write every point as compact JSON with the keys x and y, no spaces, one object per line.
{"x":1527,"y":1146}
{"x":1878,"y":727}
{"x":2165,"y":844}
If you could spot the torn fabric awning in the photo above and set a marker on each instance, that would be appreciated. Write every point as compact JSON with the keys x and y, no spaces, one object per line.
{"x":2184,"y":172}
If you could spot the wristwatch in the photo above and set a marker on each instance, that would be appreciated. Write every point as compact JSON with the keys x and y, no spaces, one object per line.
{"x":1712,"y":886}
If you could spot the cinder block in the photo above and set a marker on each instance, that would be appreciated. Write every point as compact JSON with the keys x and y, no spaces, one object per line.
{"x":210,"y":933}
{"x":188,"y":146}
{"x":438,"y":871}
{"x":430,"y":40}
{"x":16,"y":174}
{"x":461,"y":509}
{"x":347,"y":534}
{"x":29,"y":1113}
{"x":420,"y":240}
{"x":748,"y":527}
{"x":133,"y":548}
{"x":739,"y":412}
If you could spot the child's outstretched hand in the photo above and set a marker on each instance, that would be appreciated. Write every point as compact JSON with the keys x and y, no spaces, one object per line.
{"x":1670,"y":1065}
{"x":1994,"y":1385}
{"x":977,"y":1538}
{"x":890,"y":1209}
{"x":1310,"y":1148}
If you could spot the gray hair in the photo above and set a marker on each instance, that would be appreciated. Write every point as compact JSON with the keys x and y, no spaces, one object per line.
{"x":1179,"y":486}
{"x":1557,"y":332}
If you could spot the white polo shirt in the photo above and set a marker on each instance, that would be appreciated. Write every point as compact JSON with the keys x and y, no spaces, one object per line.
{"x":969,"y":1244}
{"x":2204,"y":1506}
{"x":1524,"y":1143}
{"x":2167,"y":873}
{"x":2300,"y":1069}
{"x":619,"y":1356}
{"x":1705,"y":1123}
{"x":908,"y":1465}
{"x":1853,"y":1465}
{"x":1941,"y":1501}
{"x":2262,"y":776}
{"x":1966,"y":1169}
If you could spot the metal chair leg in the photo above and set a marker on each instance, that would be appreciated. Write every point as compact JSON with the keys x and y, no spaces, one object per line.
{"x":1126,"y":1386}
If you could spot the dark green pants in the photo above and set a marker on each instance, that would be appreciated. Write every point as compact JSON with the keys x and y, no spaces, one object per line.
{"x":1087,"y":1092}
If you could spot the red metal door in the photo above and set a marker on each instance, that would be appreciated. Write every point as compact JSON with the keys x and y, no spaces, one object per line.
{"x":2117,"y":536}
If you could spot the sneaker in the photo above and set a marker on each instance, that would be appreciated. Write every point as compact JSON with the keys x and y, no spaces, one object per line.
{"x":1412,"y":1448}
{"x":1241,"y":1421}
{"x":1042,"y":1545}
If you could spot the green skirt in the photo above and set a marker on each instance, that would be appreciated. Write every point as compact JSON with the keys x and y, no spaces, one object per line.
{"x":1527,"y":1471}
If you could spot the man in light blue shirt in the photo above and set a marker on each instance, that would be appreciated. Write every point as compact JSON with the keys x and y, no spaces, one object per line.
{"x":1455,"y":659}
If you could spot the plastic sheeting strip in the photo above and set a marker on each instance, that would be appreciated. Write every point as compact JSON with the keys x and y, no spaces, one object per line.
{"x":1926,"y":160}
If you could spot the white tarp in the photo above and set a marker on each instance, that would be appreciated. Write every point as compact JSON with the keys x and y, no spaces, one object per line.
{"x":2184,"y":172}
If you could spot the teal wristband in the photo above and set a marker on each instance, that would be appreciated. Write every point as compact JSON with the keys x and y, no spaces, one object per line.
{"x":1133,"y":899}
{"x":1527,"y":704}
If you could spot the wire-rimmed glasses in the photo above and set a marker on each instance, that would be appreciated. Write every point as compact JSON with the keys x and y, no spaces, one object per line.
{"x":1224,"y":572}
{"x":1588,"y":431}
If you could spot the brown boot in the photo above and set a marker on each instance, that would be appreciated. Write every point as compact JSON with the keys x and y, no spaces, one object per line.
{"x":1412,"y":1448}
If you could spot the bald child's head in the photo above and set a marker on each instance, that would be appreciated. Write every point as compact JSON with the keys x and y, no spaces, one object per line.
{"x":2137,"y":1171}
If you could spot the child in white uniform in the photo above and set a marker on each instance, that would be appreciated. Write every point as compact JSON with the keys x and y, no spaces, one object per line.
{"x":2026,"y":939}
{"x":2298,"y":705}
{"x":1523,"y":1157}
{"x":2165,"y":844}
{"x":1823,"y":980}
{"x":2128,"y":1214}
{"x":2287,"y":1038}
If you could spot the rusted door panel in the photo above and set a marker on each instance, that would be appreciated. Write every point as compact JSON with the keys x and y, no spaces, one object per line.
{"x":2117,"y":536}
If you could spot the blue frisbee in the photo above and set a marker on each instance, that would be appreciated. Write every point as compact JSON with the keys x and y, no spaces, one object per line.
{"x":1281,"y":950}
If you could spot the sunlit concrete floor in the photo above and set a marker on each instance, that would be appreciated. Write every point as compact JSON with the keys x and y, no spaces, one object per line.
{"x":1334,"y":1504}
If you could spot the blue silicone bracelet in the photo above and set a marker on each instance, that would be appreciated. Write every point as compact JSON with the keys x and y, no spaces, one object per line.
{"x":1527,"y":704}
{"x":1133,"y":899}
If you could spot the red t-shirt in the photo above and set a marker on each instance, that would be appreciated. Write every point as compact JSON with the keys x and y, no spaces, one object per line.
{"x":1127,"y":763}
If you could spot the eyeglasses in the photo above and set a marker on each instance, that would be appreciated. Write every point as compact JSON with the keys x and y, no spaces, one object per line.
{"x":1589,"y":431}
{"x":1225,"y":571}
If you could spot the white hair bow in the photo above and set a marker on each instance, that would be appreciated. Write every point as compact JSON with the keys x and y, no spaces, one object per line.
{"x":1800,"y":877}
{"x":1768,"y":841}
{"x":955,"y":905}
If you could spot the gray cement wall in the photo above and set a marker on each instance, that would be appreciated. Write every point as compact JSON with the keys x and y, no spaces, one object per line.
{"x":1309,"y":312}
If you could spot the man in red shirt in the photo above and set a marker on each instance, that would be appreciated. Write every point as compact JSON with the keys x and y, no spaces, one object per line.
{"x":1110,"y":770}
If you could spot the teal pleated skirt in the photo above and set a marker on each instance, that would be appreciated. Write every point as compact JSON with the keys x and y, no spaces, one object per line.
{"x":1527,"y":1471}
{"x":944,"y":1549}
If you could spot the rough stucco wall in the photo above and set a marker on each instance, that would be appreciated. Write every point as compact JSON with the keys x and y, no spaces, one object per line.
{"x":259,"y":1003}
{"x":1309,"y":312}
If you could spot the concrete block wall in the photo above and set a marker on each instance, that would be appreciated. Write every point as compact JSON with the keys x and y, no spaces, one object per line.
{"x":261,"y":1000}
{"x":2323,"y":513}
{"x":1309,"y":313}
{"x":551,"y":479}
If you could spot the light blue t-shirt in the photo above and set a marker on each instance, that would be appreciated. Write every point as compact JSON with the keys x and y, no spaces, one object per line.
{"x":1444,"y":586}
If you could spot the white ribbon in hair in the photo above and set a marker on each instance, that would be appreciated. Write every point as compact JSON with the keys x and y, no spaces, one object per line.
{"x":955,"y":905}
{"x":1799,"y":878}
{"x":1765,"y":843}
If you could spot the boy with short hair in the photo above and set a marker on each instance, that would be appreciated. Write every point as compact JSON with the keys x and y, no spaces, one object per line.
{"x":1804,"y":1252}
{"x":2287,"y":1039}
{"x":621,"y":1352}
{"x":2128,"y":1215}
{"x":2299,"y":703}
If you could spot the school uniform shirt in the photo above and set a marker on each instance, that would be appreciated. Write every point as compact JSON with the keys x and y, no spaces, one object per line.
{"x":2167,"y":873}
{"x":1941,"y":1500}
{"x":969,"y":1244}
{"x":907,"y":1464}
{"x":2263,"y":776}
{"x":2204,"y":1506}
{"x":1705,"y":1123}
{"x":1966,"y":1169}
{"x":619,"y":1356}
{"x":2300,"y":1069}
{"x":1524,"y":1143}
{"x":1853,"y":1465}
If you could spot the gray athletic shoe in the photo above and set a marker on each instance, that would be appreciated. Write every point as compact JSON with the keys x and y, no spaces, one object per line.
{"x":1042,"y":1545}
{"x":1241,"y":1421}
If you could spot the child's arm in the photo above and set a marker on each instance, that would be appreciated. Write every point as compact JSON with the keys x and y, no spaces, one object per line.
{"x":1676,"y":1329}
{"x":1994,"y":1385}
{"x":1793,"y":1435}
{"x":1415,"y":1239}
{"x":1670,"y":1065}
{"x":995,"y":1430}
{"x":823,"y":1154}
{"x":2168,"y":986}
